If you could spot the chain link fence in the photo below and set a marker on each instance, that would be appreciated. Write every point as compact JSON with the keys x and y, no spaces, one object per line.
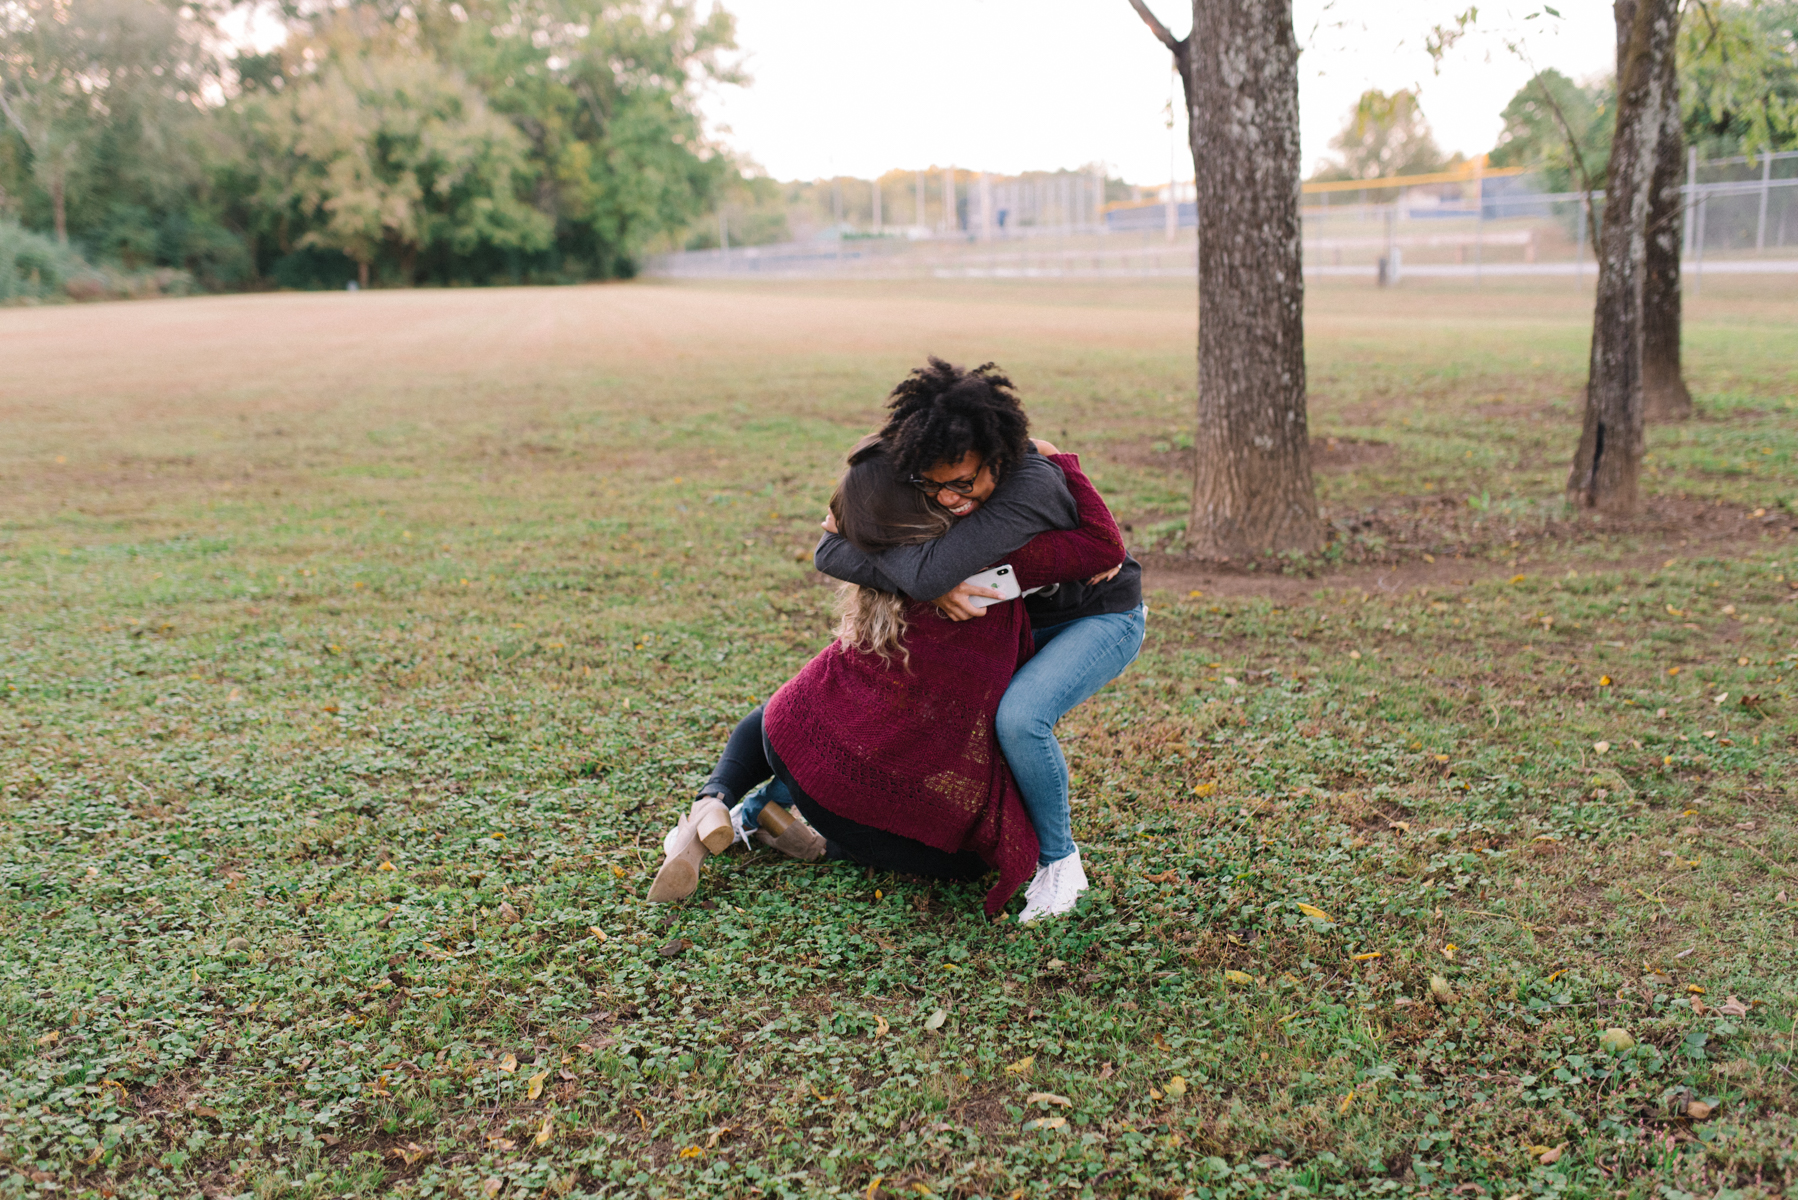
{"x":1741,"y":217}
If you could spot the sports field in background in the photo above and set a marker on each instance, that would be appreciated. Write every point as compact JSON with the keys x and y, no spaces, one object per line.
{"x":357,"y":650}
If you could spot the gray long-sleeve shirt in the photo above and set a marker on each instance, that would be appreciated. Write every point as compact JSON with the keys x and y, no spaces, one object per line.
{"x":1031,"y":498}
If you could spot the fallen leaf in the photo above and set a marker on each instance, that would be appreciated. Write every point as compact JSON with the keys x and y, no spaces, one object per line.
{"x":1164,"y":877}
{"x":1048,"y":1098}
{"x":717,"y":1134}
{"x":1054,"y":964}
{"x":49,"y":1039}
{"x":535,"y":1088}
{"x":1022,"y":1065}
{"x":1354,"y":654}
{"x":1346,"y":1102}
{"x":1176,"y":1087}
{"x":1239,"y":978}
{"x":599,"y":935}
{"x":1518,"y":578}
{"x":1604,"y":681}
{"x":1203,"y":789}
{"x":545,"y":1130}
{"x":1448,"y":951}
{"x":674,"y":947}
{"x":386,"y":866}
{"x":691,"y":1152}
{"x":1549,"y":1157}
{"x":410,"y":1153}
{"x":509,"y":1063}
{"x":1314,"y":912}
{"x":1733,"y":1008}
{"x":881,"y":1028}
{"x":1615,"y":1041}
{"x":492,"y":1184}
{"x":1601,"y":747}
{"x":508,"y":914}
{"x":1154,"y":1093}
{"x":1368,"y":957}
{"x":1441,"y":991}
{"x":1698,"y":1110}
{"x":935,"y":1020}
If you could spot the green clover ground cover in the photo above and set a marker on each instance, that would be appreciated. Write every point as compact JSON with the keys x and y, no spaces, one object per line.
{"x":329,"y":797}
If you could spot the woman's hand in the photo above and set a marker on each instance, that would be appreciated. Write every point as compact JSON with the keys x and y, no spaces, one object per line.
{"x":1044,"y":448}
{"x":956,"y":604}
{"x":829,"y":522}
{"x":1106,"y":576}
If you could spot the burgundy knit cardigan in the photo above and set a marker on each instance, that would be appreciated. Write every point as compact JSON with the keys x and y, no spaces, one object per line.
{"x":909,"y":747}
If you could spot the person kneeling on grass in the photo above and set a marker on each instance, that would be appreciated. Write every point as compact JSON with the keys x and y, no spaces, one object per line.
{"x":962,"y":437}
{"x":885,"y":742}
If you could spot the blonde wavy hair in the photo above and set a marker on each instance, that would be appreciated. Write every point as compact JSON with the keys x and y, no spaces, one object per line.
{"x":876,"y":510}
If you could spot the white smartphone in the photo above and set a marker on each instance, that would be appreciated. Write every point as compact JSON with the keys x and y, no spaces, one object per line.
{"x":1000,"y":578}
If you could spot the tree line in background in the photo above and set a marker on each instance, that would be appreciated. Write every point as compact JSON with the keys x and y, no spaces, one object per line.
{"x":1737,"y":64}
{"x":470,"y":141}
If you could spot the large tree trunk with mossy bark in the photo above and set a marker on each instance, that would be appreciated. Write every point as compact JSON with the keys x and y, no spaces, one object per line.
{"x":1664,"y":393}
{"x":1608,"y":461}
{"x":1252,"y":488}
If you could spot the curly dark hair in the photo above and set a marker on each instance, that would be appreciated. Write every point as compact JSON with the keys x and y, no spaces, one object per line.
{"x":940,"y":412}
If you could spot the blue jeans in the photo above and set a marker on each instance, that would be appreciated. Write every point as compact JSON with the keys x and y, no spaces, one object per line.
{"x":1072,"y":661}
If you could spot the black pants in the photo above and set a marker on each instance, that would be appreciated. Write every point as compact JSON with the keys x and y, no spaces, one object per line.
{"x":749,"y":760}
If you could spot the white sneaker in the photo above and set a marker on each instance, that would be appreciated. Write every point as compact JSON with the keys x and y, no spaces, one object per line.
{"x":1054,"y":890}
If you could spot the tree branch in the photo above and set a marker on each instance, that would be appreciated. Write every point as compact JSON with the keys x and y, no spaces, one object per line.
{"x":1579,"y":160}
{"x":1161,"y":32}
{"x":7,"y":110}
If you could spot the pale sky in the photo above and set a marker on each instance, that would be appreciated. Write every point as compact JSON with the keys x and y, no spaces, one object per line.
{"x":857,"y":88}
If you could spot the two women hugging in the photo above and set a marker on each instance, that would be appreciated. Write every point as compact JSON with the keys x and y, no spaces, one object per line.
{"x":922,"y":740}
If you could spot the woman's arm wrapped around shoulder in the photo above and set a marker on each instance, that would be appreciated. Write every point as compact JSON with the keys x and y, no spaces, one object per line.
{"x":1092,"y":549}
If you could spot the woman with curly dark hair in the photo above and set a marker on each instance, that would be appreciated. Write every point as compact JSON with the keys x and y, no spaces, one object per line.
{"x":962,"y":438}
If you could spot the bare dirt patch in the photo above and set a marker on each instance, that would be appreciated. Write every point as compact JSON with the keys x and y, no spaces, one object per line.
{"x":1431,"y":541}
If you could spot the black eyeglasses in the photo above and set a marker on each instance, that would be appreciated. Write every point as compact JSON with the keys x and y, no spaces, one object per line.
{"x":961,"y":487}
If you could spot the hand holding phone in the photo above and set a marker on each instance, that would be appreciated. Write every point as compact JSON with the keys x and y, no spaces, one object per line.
{"x":1001,"y":579}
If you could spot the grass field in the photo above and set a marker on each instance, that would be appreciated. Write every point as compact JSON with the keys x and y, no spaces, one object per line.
{"x":359,"y":648}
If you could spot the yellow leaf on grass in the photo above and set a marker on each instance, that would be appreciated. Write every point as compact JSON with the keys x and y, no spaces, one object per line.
{"x":1368,"y":957}
{"x":599,"y":935}
{"x":1312,"y":911}
{"x":1604,"y":681}
{"x":1203,"y":789}
{"x":1046,"y":1123}
{"x":49,"y":1038}
{"x":1549,"y":1157}
{"x":880,"y":1026}
{"x":1022,"y":1065}
{"x":1048,"y":1098}
{"x":509,"y":1063}
{"x":1518,"y":578}
{"x":386,"y":866}
{"x":1601,"y":747}
{"x":691,"y":1152}
{"x":1239,"y":978}
{"x":717,"y":1134}
{"x":1346,"y":1101}
{"x":1176,"y":1087}
{"x":536,"y":1085}
{"x":618,"y":871}
{"x":935,"y":1020}
{"x":545,"y":1130}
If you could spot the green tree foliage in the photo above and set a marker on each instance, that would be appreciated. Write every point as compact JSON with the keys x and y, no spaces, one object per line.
{"x":412,"y":142}
{"x":102,"y":101}
{"x":394,"y":154}
{"x":1384,"y":135}
{"x":608,"y":101}
{"x":1739,"y":76}
{"x":1539,"y":120}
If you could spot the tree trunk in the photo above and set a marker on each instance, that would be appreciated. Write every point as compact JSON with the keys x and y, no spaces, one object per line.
{"x":1664,"y":393}
{"x":58,"y":209}
{"x":1252,"y":489}
{"x":1608,"y":461}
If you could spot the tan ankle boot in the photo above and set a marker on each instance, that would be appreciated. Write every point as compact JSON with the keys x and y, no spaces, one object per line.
{"x":788,"y":834}
{"x":679,"y":875}
{"x":711,"y":820}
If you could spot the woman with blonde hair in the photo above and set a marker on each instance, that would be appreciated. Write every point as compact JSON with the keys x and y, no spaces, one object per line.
{"x":885,"y":741}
